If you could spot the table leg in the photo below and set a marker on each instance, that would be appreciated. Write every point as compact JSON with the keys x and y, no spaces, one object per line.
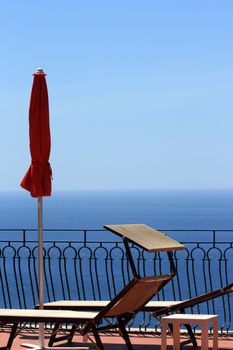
{"x":215,"y":334}
{"x":204,"y":336}
{"x":164,"y":335}
{"x":176,"y":335}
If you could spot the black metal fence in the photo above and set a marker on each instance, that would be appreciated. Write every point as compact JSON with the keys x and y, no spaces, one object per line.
{"x":92,"y":265}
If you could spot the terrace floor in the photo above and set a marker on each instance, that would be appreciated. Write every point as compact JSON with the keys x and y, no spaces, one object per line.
{"x":111,"y":341}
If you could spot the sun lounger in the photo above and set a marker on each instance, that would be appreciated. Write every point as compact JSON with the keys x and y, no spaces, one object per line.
{"x":122,"y":308}
{"x":189,"y":303}
{"x":143,"y":289}
{"x":15,"y":316}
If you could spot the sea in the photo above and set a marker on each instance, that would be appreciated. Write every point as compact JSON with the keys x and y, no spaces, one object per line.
{"x":170,"y":209}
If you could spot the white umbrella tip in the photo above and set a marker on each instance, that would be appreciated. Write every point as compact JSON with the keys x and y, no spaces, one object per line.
{"x":39,"y":70}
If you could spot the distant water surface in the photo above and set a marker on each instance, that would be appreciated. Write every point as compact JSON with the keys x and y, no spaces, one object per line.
{"x":93,"y":209}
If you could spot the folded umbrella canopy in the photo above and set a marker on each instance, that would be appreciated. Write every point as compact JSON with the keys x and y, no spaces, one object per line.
{"x":37,"y":179}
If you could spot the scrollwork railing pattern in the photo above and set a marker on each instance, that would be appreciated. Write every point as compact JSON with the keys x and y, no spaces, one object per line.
{"x":83,"y":268}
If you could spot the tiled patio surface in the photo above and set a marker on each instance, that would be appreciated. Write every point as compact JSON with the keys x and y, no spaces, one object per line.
{"x":111,"y":341}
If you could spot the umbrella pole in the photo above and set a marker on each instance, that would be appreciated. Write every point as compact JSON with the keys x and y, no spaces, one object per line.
{"x":41,"y":277}
{"x":41,"y":289}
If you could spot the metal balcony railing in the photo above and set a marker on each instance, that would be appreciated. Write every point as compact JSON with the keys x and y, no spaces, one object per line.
{"x":92,"y":265}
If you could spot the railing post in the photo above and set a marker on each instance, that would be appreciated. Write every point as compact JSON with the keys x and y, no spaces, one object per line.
{"x":24,"y":237}
{"x":214,"y":238}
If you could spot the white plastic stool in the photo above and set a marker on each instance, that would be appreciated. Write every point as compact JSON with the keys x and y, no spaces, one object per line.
{"x":178,"y":319}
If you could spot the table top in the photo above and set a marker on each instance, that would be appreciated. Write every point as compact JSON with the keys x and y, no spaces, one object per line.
{"x":190,"y":317}
{"x":146,"y":237}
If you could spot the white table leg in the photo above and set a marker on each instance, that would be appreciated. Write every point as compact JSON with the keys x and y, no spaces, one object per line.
{"x":164,"y":335}
{"x":176,"y":335}
{"x":215,"y":334}
{"x":204,"y":336}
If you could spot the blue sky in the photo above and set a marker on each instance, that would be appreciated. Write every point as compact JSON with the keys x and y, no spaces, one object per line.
{"x":140,"y":92}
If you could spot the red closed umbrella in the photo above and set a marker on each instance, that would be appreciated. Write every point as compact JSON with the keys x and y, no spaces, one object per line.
{"x":37,"y":179}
